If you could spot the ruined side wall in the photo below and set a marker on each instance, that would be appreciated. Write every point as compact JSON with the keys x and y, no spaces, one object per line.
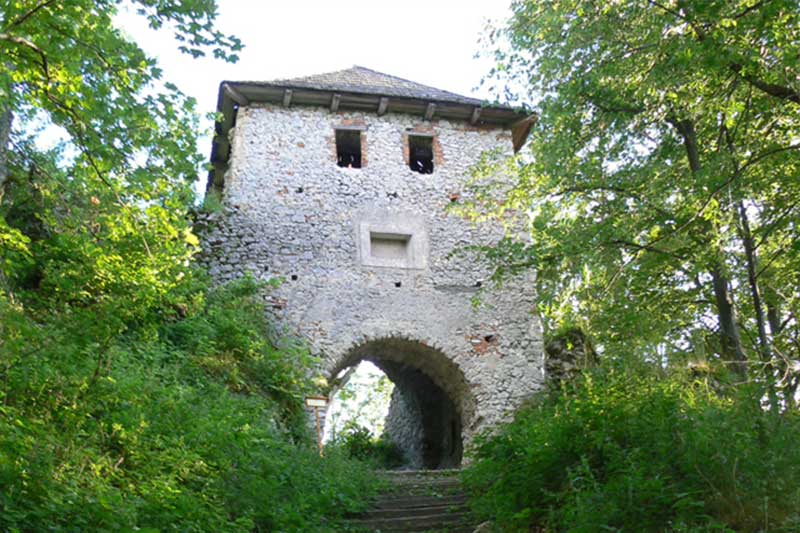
{"x":404,"y":428}
{"x":291,"y":212}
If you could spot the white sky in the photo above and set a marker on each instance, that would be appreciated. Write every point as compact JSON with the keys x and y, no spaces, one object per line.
{"x":432,"y":42}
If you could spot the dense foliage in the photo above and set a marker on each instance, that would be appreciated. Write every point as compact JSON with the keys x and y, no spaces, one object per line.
{"x":640,"y":451}
{"x":188,"y":424}
{"x":661,"y":180}
{"x":131,"y":395}
{"x":660,"y":190}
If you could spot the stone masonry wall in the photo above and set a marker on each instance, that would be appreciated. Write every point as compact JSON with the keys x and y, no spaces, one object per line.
{"x":291,"y":212}
{"x":404,"y":427}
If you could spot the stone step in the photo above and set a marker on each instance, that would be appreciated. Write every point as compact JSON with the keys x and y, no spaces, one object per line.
{"x":408,"y":512}
{"x":421,"y":500}
{"x":417,"y":480}
{"x":414,"y":523}
{"x":451,"y":528}
{"x":394,"y":501}
{"x":427,"y":474}
{"x":432,"y":487}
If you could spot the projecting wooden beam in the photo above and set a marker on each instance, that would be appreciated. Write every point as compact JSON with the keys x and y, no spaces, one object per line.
{"x":335,"y":99}
{"x":521,"y":129}
{"x":429,"y":111}
{"x":287,"y":97}
{"x":476,"y":113}
{"x":235,"y":95}
{"x":382,"y":105}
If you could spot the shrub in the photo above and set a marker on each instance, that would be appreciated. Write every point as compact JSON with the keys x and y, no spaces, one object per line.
{"x":191,"y":425}
{"x":640,"y":451}
{"x":359,"y":443}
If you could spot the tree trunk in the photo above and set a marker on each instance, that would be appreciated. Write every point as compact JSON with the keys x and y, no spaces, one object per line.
{"x":752,"y":278}
{"x":730,"y":341}
{"x":6,"y":118}
{"x":764,"y":345}
{"x":774,"y":317}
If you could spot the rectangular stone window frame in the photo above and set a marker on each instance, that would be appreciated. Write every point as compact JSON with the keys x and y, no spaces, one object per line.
{"x":345,"y":130}
{"x":413,"y":241}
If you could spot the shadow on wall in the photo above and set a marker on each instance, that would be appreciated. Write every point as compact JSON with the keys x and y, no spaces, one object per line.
{"x":430,"y":404}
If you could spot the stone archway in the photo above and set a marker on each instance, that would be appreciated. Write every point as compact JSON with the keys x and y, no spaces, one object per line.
{"x":431,"y":403}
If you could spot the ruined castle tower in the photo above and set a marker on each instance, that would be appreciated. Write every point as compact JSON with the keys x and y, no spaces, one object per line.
{"x":338,"y":183}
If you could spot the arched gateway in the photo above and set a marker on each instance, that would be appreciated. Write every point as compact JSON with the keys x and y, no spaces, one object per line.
{"x":339,"y":184}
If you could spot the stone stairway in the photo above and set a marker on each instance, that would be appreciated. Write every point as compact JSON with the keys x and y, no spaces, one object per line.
{"x":418,"y":500}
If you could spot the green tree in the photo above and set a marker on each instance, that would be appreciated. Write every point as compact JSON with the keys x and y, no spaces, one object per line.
{"x":130,"y":397}
{"x":99,"y":222}
{"x":663,"y":176}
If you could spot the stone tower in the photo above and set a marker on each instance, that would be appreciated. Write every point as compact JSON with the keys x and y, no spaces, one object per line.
{"x":339,"y":183}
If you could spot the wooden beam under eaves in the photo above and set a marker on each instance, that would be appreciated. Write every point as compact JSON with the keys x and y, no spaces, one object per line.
{"x":430,"y":110}
{"x":476,"y":113}
{"x":382,"y":105}
{"x":287,"y":97}
{"x":235,"y":95}
{"x":335,"y":99}
{"x":521,"y":129}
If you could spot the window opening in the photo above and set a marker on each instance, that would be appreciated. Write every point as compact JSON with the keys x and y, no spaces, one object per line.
{"x":348,"y":148}
{"x":389,"y":246}
{"x":420,"y":151}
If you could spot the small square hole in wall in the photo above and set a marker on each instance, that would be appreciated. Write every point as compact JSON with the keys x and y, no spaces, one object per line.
{"x":389,"y":246}
{"x":420,"y":153}
{"x":348,"y":148}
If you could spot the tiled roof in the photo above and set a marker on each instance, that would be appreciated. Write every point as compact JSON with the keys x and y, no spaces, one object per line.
{"x":363,"y":80}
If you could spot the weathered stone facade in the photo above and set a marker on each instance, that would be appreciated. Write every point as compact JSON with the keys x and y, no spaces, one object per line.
{"x":292,"y":213}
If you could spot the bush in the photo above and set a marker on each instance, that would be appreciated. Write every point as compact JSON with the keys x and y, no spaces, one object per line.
{"x":359,"y":443}
{"x":192,"y":425}
{"x":626,"y":451}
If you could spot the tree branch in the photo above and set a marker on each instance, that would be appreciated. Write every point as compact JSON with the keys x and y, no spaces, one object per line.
{"x":773,"y":89}
{"x":29,"y":14}
{"x":763,"y":155}
{"x":701,"y":34}
{"x":30,"y":45}
{"x":646,"y":247}
{"x":750,"y":9}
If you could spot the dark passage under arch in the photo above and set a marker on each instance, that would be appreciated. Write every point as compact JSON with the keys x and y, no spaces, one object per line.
{"x":429,"y":404}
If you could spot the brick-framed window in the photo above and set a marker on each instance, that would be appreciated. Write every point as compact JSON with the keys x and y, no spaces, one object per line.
{"x":420,"y":153}
{"x":350,"y":146}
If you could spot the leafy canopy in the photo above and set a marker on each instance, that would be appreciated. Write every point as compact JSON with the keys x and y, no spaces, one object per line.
{"x":103,"y":211}
{"x":661,"y":180}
